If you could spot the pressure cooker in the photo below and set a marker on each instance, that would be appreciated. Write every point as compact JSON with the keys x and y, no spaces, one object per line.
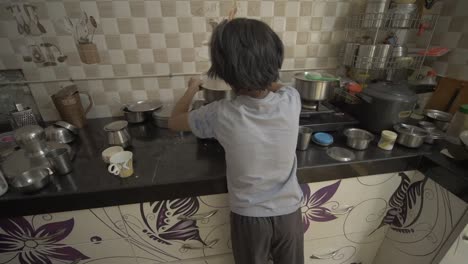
{"x":384,"y":104}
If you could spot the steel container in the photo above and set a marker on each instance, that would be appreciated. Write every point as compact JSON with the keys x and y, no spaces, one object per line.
{"x":32,"y":180}
{"x":59,"y":134}
{"x":133,"y":117}
{"x":358,"y":138}
{"x":315,"y":90}
{"x":60,"y":161}
{"x":117,"y":134}
{"x":32,"y":139}
{"x":440,"y":119}
{"x":410,"y":136}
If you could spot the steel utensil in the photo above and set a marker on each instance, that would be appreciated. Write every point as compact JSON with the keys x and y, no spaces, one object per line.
{"x":303,"y":138}
{"x":358,"y":138}
{"x":68,"y":126}
{"x":434,"y":136}
{"x":440,"y":119}
{"x":32,"y":180}
{"x":314,"y":90}
{"x":410,"y":136}
{"x":350,"y":53}
{"x":117,"y":133}
{"x":60,"y":161}
{"x":133,"y":117}
{"x":32,"y":139}
{"x":59,"y":134}
{"x":341,"y":154}
{"x":144,"y":106}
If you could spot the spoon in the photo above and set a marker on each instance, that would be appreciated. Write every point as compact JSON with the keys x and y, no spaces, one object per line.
{"x":38,"y":23}
{"x":94,"y":24}
{"x":26,"y":27}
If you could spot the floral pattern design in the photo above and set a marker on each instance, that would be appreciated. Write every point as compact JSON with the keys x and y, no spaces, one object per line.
{"x":167,"y":227}
{"x":407,"y":197}
{"x":37,"y":245}
{"x":312,"y":205}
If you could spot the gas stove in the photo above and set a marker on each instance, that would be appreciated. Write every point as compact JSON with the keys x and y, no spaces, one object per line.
{"x":325,"y":117}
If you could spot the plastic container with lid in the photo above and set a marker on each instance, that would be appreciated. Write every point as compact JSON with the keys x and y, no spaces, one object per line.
{"x":459,"y":122}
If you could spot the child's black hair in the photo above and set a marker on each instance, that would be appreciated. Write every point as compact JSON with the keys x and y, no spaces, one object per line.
{"x":246,"y":54}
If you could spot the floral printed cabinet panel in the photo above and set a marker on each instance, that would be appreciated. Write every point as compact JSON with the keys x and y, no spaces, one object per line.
{"x":172,"y":230}
{"x":342,"y":207}
{"x":419,"y":217}
{"x":458,"y":252}
{"x":117,"y":251}
{"x":337,"y":250}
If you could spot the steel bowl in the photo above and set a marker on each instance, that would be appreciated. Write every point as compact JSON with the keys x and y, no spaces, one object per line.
{"x":32,"y":139}
{"x":410,"y":136}
{"x":440,"y":119}
{"x":434,"y":136}
{"x":32,"y":180}
{"x":212,"y":95}
{"x":161,"y":116}
{"x":428,"y":126}
{"x":358,"y":138}
{"x":68,"y":126}
{"x":133,"y":117}
{"x":315,"y":90}
{"x":59,"y":134}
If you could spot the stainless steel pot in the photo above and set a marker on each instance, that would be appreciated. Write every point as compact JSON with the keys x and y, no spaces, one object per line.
{"x":32,"y":139}
{"x":384,"y":105}
{"x":59,"y":134}
{"x":117,"y":134}
{"x":133,"y":117}
{"x":434,"y":136}
{"x":440,"y":119}
{"x":314,"y":90}
{"x":410,"y":136}
{"x":32,"y":180}
{"x":161,"y":116}
{"x":358,"y":138}
{"x":212,"y":95}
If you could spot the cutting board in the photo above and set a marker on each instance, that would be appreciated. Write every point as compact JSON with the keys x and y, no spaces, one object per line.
{"x":449,"y":95}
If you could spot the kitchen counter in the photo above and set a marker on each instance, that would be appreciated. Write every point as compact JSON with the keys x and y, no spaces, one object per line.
{"x":170,"y":165}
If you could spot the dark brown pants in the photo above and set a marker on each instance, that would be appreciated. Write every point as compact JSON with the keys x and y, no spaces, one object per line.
{"x":256,"y":240}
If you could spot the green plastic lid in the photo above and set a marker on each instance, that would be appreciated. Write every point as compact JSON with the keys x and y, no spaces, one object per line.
{"x":463,"y":108}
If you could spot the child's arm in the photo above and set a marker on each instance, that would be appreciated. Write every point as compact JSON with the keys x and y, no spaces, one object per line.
{"x":179,"y":117}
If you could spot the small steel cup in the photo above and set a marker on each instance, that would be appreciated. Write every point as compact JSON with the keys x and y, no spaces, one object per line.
{"x":60,"y":161}
{"x":303,"y":138}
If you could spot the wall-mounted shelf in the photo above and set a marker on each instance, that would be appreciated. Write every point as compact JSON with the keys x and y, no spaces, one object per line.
{"x":390,"y":21}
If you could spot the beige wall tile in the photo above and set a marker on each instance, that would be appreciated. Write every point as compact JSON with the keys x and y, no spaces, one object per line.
{"x":140,"y":25}
{"x":137,"y":84}
{"x":134,"y":69}
{"x":197,"y":8}
{"x":125,"y":25}
{"x":253,"y":8}
{"x":188,"y":54}
{"x":330,"y":9}
{"x":312,"y":50}
{"x":299,"y":63}
{"x":121,"y":8}
{"x":325,"y":37}
{"x":175,"y":67}
{"x":72,"y":9}
{"x":202,"y":66}
{"x":302,"y":38}
{"x":164,"y":83}
{"x":120,"y":70}
{"x":172,"y":40}
{"x":131,"y":56}
{"x":168,"y":8}
{"x":137,"y":9}
{"x":143,"y":41}
{"x":155,"y":25}
{"x":316,"y":23}
{"x":128,"y":41}
{"x":91,"y":70}
{"x":170,"y":25}
{"x":160,"y":55}
{"x":153,"y":8}
{"x":280,"y":8}
{"x":148,"y":68}
{"x":289,"y":52}
{"x":185,"y":24}
{"x":291,"y":24}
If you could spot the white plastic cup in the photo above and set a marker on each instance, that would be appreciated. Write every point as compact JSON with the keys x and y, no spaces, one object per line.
{"x":387,"y":140}
{"x":108,"y":152}
{"x":121,"y":164}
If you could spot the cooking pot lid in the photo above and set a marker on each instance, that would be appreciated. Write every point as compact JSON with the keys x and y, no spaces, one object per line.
{"x":391,"y":91}
{"x":116,"y":125}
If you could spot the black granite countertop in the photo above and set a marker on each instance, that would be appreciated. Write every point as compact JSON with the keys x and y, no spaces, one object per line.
{"x":169,"y":165}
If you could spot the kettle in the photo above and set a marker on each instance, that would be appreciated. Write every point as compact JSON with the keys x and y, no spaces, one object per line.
{"x":68,"y":103}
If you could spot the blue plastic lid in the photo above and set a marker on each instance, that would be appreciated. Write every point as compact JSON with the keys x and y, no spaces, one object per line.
{"x":323,"y":138}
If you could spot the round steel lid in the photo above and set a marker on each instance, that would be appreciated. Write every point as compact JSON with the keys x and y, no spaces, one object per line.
{"x":391,"y":91}
{"x":144,"y":106}
{"x":116,"y":126}
{"x":341,"y":154}
{"x":29,"y":132}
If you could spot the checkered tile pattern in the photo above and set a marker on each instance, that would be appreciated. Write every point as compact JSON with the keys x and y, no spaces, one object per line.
{"x":162,"y":37}
{"x":452,"y":32}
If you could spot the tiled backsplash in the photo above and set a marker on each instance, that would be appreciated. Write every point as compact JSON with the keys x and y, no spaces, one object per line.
{"x":452,"y":32}
{"x":134,"y":38}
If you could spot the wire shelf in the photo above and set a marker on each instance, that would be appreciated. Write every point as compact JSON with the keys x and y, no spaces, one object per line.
{"x":383,"y":63}
{"x":391,"y":21}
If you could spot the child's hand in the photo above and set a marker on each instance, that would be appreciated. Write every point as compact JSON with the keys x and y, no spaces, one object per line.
{"x":194,"y":85}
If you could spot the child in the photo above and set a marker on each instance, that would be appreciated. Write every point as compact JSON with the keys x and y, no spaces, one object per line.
{"x":258,"y":130}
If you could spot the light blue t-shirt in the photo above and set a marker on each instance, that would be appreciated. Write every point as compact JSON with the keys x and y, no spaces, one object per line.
{"x":259,"y":137}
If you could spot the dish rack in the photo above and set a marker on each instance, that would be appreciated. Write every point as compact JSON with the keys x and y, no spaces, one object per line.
{"x":378,"y":26}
